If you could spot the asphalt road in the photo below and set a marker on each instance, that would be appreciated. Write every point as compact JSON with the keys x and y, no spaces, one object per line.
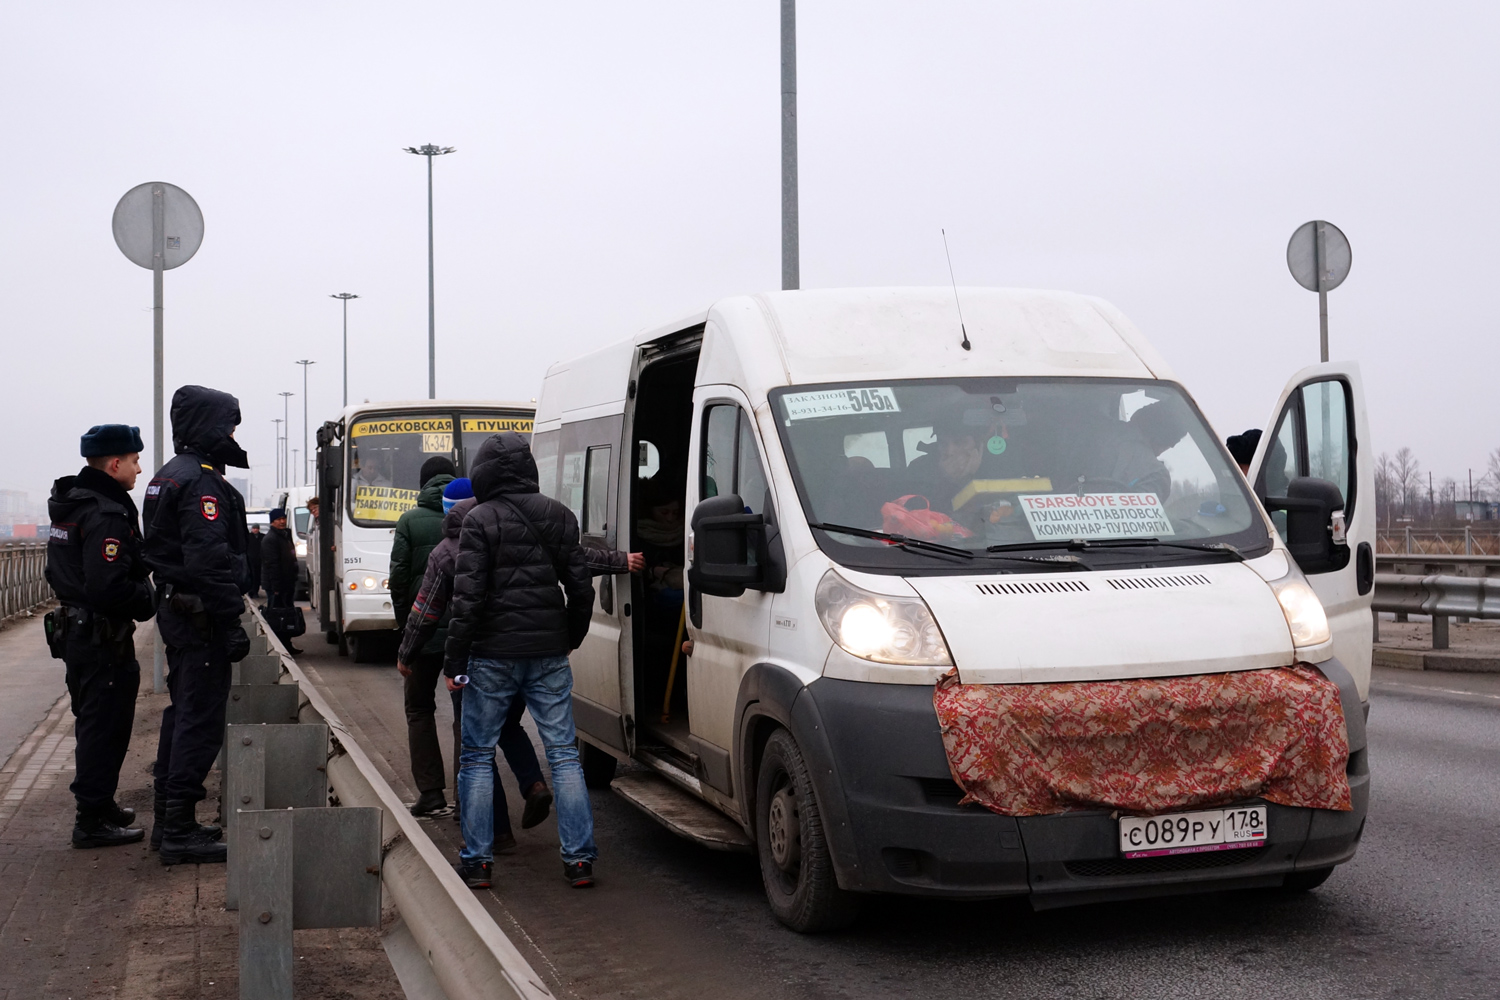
{"x":1416,"y":914}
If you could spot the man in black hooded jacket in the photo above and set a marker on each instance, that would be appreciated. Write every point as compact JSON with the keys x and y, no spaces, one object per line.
{"x":94,"y":566}
{"x":195,"y":545}
{"x":521,"y":603}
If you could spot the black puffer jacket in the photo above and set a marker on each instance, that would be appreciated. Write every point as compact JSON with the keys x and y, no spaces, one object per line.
{"x":506,"y":598}
{"x":278,"y":562}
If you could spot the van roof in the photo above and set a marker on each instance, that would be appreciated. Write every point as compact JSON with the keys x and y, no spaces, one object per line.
{"x":762,"y":341}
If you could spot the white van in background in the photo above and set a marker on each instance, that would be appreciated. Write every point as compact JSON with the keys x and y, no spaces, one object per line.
{"x":784,"y":427}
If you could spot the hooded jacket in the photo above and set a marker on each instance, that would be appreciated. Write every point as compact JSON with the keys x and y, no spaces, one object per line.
{"x":194,"y":520}
{"x":507,"y":601}
{"x":94,"y":548}
{"x":426,"y":628}
{"x":417,"y":533}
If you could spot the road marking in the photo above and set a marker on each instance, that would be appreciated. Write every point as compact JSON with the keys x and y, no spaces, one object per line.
{"x":1394,"y":687}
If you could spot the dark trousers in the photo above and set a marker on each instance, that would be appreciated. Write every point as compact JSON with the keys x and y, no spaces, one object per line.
{"x":102,"y":685}
{"x":192,"y":726}
{"x":281,"y":597}
{"x":421,"y":723}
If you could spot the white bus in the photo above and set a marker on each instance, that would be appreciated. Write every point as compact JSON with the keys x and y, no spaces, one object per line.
{"x":368,"y":464}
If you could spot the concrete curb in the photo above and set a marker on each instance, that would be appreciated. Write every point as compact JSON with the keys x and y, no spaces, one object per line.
{"x":469,"y":954}
{"x":1437,"y":659}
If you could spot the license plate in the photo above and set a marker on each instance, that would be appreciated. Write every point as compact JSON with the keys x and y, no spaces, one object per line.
{"x":1194,"y":832}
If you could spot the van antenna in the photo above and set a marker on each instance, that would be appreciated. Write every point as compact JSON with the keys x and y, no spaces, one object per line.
{"x":966,"y":344}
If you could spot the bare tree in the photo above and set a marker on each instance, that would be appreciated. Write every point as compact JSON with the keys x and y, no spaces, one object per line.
{"x":1406,"y":473}
{"x":1385,"y":487}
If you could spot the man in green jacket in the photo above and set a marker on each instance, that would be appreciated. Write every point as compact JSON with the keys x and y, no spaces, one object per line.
{"x":417,"y":534}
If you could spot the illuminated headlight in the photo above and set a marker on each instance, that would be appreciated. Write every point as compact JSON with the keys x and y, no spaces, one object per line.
{"x":879,"y":627}
{"x":301,"y":548}
{"x":1304,"y":612}
{"x":368,"y":583}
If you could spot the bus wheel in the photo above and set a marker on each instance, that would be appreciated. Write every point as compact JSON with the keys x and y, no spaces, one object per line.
{"x":361,"y":648}
{"x":598,"y":766}
{"x":343,"y":641}
{"x":332,"y":637}
{"x":795,"y":863}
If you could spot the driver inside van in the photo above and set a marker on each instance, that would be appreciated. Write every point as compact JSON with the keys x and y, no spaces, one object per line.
{"x":962,"y":454}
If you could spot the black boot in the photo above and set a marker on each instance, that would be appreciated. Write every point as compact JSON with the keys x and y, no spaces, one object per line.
{"x":159,"y":826}
{"x":184,"y":841}
{"x":96,"y":828}
{"x":120,"y":815}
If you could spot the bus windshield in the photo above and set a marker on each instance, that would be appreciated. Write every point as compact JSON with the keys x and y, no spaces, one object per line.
{"x":386,"y":453}
{"x":986,"y":465}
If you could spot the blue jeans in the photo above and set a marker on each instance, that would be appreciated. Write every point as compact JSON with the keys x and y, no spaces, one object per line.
{"x":547,"y":684}
{"x":519,"y":754}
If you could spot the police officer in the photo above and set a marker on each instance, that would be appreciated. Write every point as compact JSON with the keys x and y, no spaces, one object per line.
{"x":94,"y":566}
{"x":195,"y":544}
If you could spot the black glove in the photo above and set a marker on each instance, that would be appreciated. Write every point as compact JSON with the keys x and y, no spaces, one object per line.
{"x":237,"y":643}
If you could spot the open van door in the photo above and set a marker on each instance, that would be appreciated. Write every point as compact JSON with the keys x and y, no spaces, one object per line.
{"x":1314,"y":470}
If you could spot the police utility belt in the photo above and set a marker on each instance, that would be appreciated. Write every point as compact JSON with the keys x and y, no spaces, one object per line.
{"x":190,"y":606}
{"x":82,"y":623}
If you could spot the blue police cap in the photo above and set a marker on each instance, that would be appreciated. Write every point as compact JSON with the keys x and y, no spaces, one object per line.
{"x":110,"y":439}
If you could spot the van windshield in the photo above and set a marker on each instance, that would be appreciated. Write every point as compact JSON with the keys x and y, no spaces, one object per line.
{"x":990,"y":465}
{"x":385,"y":460}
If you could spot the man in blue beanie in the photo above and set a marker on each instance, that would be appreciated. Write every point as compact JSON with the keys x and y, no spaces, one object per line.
{"x":94,"y":566}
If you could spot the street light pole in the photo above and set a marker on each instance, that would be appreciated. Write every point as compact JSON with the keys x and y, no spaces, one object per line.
{"x":286,"y":471}
{"x":346,"y":296}
{"x":430,"y":151}
{"x":791,"y":265}
{"x":304,"y":365}
{"x":277,"y":422}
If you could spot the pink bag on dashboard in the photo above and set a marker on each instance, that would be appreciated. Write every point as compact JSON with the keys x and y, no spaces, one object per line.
{"x":923,"y":522}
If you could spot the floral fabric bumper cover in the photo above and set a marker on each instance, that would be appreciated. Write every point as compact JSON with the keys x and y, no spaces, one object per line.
{"x":1148,"y":746}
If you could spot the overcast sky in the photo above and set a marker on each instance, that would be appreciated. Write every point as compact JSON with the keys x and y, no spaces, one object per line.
{"x":618,"y":165}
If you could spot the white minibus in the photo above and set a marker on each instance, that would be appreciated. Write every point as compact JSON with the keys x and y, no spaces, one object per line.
{"x":856,"y":510}
{"x":368,"y":463}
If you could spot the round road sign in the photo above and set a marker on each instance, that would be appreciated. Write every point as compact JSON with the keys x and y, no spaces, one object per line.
{"x":135,"y":229}
{"x":1302,"y":256}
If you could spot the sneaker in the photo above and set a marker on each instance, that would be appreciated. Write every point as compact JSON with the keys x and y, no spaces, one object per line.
{"x":538,"y":804}
{"x":429,"y":802}
{"x":475,"y":876}
{"x":580,"y":874}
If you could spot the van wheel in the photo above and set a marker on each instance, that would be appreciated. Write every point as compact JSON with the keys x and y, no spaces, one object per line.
{"x":1306,"y":881}
{"x":795,"y":863}
{"x":598,"y":766}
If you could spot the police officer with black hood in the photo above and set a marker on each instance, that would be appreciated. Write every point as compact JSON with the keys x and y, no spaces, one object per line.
{"x":94,"y":566}
{"x":195,"y":544}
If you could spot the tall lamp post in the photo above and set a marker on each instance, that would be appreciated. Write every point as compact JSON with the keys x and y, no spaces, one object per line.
{"x":286,"y":470}
{"x":305,"y":365}
{"x":791,"y":266}
{"x":430,"y":151}
{"x":277,"y":422}
{"x":346,"y":296}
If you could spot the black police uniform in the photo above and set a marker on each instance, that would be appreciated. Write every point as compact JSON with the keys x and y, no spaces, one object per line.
{"x":195,"y":544}
{"x":94,"y":566}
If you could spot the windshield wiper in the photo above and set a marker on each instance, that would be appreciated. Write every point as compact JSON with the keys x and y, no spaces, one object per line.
{"x":922,"y":545}
{"x":903,"y":541}
{"x":1087,"y":544}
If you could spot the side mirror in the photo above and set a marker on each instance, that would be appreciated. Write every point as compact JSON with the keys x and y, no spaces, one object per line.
{"x":1314,"y":522}
{"x":724,"y":553}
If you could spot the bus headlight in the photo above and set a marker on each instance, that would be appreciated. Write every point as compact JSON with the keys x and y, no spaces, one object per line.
{"x":879,"y":627}
{"x":1304,"y":612}
{"x":301,"y":547}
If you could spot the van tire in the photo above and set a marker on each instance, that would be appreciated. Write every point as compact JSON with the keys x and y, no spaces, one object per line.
{"x":598,"y":766}
{"x":1306,"y":881}
{"x":795,"y":863}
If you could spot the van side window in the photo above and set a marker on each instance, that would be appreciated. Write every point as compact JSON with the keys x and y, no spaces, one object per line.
{"x":544,"y":450}
{"x":731,"y":462}
{"x":596,"y":491}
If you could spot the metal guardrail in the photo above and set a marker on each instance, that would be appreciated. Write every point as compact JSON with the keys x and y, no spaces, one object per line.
{"x":22,"y":581}
{"x":470,"y":955}
{"x":1434,"y":564}
{"x":1458,"y":596}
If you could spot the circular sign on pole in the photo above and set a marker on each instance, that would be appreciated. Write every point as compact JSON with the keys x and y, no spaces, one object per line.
{"x":1303,"y":257}
{"x":182,"y":225}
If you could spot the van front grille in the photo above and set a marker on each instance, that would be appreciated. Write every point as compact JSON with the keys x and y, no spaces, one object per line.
{"x":1035,"y":587}
{"x":1160,"y":582}
{"x":1104,"y":867}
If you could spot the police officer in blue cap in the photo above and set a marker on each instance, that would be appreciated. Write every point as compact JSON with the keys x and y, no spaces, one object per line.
{"x":94,"y":566}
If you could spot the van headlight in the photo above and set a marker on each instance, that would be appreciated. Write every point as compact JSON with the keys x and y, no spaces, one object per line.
{"x":1304,"y":612}
{"x":879,"y":627}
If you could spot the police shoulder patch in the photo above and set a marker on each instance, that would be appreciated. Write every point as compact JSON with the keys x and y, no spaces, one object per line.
{"x":210,"y":507}
{"x":111,"y":549}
